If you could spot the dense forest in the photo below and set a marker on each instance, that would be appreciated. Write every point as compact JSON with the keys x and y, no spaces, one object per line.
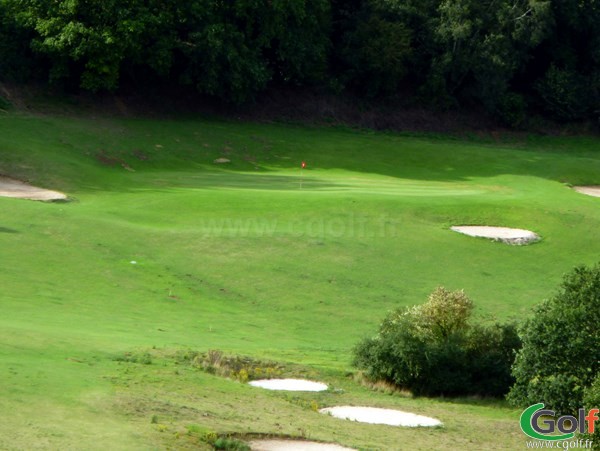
{"x":509,"y":57}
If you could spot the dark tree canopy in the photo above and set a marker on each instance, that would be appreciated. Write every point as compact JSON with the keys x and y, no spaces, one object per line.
{"x":510,"y":57}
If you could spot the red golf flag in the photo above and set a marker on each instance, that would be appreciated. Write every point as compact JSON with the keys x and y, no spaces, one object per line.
{"x":303,"y":165}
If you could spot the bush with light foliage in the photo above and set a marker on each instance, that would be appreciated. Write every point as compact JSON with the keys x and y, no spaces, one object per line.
{"x":434,"y":349}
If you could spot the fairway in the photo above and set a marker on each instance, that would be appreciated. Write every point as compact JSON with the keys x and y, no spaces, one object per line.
{"x":159,"y":251}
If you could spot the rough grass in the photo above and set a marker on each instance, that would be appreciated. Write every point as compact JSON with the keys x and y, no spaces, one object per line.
{"x":257,"y":258}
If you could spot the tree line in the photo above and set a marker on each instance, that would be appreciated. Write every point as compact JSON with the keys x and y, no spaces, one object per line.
{"x":511,"y":57}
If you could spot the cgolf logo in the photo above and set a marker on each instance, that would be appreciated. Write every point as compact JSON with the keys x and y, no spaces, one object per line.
{"x":566,"y":425}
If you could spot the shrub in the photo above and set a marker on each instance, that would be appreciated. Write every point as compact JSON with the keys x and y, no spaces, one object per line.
{"x":433,"y":349}
{"x":561,"y":346}
{"x":491,"y":353}
{"x":591,"y":400}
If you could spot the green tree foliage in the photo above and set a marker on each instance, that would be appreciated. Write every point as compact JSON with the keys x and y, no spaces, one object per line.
{"x":233,"y":49}
{"x":228,"y":49}
{"x":569,"y":83}
{"x":434,"y":349}
{"x":375,"y":47}
{"x":591,"y":400}
{"x":15,"y":59}
{"x":484,"y":43}
{"x":564,"y":93}
{"x":92,"y":40}
{"x":511,"y":57}
{"x":561,"y":346}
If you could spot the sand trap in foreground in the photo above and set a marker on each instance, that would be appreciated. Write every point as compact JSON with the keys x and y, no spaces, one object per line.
{"x":15,"y":188}
{"x":289,"y":385}
{"x":293,"y":445}
{"x":589,"y":190}
{"x":375,"y":415}
{"x":504,"y":234}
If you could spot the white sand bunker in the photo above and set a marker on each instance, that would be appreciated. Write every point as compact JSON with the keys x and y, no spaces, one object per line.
{"x":293,"y":445}
{"x":589,"y":190}
{"x":15,"y":188}
{"x":376,"y":415}
{"x":289,"y":385}
{"x":504,"y":234}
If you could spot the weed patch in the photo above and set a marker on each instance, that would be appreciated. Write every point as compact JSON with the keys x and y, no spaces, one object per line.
{"x":240,"y":368}
{"x":130,"y":357}
{"x":206,"y":435}
{"x":230,"y":444}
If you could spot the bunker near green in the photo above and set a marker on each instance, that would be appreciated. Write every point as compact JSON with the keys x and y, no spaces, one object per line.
{"x":375,"y":415}
{"x":589,"y":190}
{"x":294,"y":445}
{"x":289,"y":385}
{"x":10,"y":187}
{"x":504,"y":234}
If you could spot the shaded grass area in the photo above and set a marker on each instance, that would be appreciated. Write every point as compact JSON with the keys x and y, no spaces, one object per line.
{"x":162,"y":248}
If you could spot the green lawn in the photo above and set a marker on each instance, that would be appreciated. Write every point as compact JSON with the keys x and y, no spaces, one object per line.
{"x":259,"y":258}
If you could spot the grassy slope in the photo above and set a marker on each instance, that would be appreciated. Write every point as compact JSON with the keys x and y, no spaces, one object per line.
{"x":257,"y":258}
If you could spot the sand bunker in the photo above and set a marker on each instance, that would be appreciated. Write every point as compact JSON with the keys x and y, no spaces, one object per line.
{"x":589,"y":190}
{"x":15,"y":188}
{"x":289,"y":385}
{"x":504,"y":234}
{"x":293,"y":445}
{"x":375,"y":415}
